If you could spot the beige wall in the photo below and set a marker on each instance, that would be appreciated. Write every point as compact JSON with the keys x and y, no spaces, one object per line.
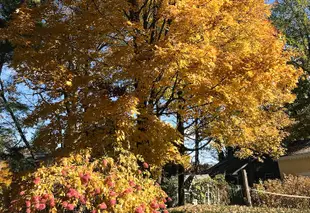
{"x":295,"y":166}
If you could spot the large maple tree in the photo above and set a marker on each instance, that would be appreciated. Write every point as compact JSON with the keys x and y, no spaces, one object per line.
{"x":108,"y":71}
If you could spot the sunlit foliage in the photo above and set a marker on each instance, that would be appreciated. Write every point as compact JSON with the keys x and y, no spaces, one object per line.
{"x":5,"y":182}
{"x":81,"y":184}
{"x":108,"y":70}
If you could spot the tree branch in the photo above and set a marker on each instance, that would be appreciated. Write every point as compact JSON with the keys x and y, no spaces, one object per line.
{"x":14,"y":118}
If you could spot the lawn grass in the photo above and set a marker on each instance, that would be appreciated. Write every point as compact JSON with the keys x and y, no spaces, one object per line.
{"x":232,"y":209}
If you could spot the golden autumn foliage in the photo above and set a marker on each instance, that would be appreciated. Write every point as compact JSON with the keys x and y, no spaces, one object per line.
{"x":81,"y":184}
{"x":6,"y":175}
{"x":108,"y":71}
{"x":290,"y":185}
{"x":5,"y":182}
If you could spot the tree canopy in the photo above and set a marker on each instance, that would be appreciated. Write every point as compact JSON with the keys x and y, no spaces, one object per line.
{"x":107,"y":72}
{"x":292,"y":19}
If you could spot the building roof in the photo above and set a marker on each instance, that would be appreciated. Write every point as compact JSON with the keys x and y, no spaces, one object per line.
{"x":298,"y":149}
{"x":230,"y":167}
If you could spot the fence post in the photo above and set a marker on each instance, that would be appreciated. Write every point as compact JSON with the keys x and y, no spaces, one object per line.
{"x":246,"y":188}
{"x":208,"y":194}
{"x":218,"y":196}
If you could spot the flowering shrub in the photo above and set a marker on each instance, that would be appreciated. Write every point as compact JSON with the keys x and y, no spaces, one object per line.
{"x":291,"y":185}
{"x":80,"y":184}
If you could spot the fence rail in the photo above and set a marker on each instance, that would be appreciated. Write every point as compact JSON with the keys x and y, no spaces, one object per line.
{"x":278,"y":194}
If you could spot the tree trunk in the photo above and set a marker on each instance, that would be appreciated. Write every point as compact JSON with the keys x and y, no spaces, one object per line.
{"x":181,"y":170}
{"x":196,"y":163}
{"x":181,"y":179}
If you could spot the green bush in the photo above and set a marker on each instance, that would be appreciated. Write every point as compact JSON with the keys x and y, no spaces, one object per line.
{"x":218,"y":190}
{"x":290,"y":185}
{"x":170,"y":186}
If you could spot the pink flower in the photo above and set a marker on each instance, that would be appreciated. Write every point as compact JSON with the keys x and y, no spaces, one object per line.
{"x":73,"y":193}
{"x":36,"y":199}
{"x":85,"y":178}
{"x":22,"y":193}
{"x":37,"y":180}
{"x":165,"y":211}
{"x":132,"y":183}
{"x":97,"y":190}
{"x":64,"y":173}
{"x":112,"y":194}
{"x":145,"y":165}
{"x":65,"y":204}
{"x":143,"y":206}
{"x":154,"y":205}
{"x":82,"y":199}
{"x":105,"y":162}
{"x":42,"y":206}
{"x":37,"y":206}
{"x":169,"y":199}
{"x":70,"y":207}
{"x":154,"y":211}
{"x":28,"y":211}
{"x":162,"y":206}
{"x":28,"y":203}
{"x":139,"y":210}
{"x":127,"y":191}
{"x":52,"y":203}
{"x":94,"y":211}
{"x":103,"y":206}
{"x":112,"y":202}
{"x":13,"y":201}
{"x":109,"y":182}
{"x":43,"y":201}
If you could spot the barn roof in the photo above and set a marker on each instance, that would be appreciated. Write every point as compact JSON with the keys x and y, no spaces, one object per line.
{"x":297,"y":149}
{"x":229,"y":167}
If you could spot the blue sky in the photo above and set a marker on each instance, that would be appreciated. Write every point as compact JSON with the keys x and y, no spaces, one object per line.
{"x":25,"y":96}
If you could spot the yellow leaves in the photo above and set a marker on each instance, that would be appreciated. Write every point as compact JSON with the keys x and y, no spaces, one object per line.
{"x":129,"y":23}
{"x":121,"y":137}
{"x":69,"y":83}
{"x":111,"y":67}
{"x":5,"y":184}
{"x":117,"y":185}
{"x":5,"y":175}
